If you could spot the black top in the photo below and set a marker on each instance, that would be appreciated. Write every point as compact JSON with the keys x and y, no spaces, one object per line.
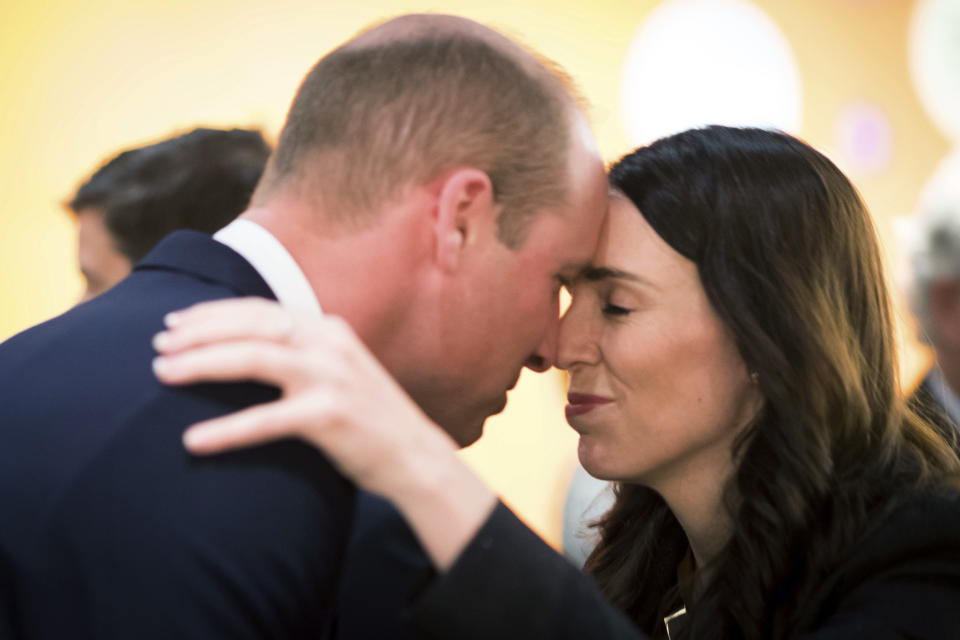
{"x":901,"y":581}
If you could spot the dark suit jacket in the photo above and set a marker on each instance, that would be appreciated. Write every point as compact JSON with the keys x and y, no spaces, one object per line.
{"x":108,"y":528}
{"x":902,"y":581}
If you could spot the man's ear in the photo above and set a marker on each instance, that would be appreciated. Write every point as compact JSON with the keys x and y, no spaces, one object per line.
{"x":945,"y":311}
{"x":464,"y":207}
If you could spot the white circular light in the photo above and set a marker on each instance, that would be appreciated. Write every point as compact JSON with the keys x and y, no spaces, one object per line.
{"x":698,"y":62}
{"x":935,"y":61}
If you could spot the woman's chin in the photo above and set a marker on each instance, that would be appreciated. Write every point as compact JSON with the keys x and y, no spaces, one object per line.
{"x":592,"y":461}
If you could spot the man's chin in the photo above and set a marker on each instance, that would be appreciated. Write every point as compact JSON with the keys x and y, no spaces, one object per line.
{"x":466,"y":433}
{"x":466,"y":430}
{"x":498,"y":406}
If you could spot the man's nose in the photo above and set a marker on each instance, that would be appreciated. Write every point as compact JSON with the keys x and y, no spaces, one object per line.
{"x":545,"y":355}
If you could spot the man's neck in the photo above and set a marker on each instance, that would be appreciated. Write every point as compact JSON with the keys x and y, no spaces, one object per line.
{"x":272,"y":261}
{"x":365,"y":276}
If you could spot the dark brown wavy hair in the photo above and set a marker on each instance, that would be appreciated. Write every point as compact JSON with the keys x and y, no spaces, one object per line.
{"x":788,"y":257}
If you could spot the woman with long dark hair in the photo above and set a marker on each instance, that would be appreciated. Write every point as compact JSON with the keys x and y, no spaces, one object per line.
{"x":787,"y":257}
{"x":733,"y":368}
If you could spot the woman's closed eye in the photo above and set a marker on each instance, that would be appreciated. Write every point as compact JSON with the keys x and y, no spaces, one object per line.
{"x":610,"y":309}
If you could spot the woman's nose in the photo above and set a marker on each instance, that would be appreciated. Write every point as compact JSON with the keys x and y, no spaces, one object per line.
{"x":576,"y":342}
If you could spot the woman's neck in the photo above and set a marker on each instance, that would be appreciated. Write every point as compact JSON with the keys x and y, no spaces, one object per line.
{"x":707,"y":525}
{"x":697,"y":499}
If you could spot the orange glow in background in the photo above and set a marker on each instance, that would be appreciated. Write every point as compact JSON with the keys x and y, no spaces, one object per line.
{"x":81,"y":81}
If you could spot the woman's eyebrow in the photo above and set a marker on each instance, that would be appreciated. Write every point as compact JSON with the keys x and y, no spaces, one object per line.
{"x":593,"y":273}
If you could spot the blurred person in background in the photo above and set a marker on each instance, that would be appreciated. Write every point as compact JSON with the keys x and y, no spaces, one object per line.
{"x":199,"y":180}
{"x":934,"y":295}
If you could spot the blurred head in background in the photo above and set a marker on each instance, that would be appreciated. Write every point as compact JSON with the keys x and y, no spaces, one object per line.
{"x":199,"y":180}
{"x":934,"y":295}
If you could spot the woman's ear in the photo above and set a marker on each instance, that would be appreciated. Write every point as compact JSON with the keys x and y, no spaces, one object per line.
{"x":465,"y":210}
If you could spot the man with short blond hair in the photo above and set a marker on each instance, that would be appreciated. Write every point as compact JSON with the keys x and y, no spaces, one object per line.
{"x":433,"y":186}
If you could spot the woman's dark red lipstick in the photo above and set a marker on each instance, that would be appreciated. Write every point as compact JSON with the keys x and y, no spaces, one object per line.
{"x":581,"y":403}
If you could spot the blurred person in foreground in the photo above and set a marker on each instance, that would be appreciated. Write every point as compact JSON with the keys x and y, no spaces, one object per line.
{"x":199,"y":180}
{"x":732,"y":368}
{"x":433,"y":186}
{"x":934,"y":295}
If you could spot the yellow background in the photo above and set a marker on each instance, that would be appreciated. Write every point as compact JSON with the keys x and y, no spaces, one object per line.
{"x":81,"y":80}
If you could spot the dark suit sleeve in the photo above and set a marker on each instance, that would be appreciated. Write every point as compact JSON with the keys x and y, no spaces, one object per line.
{"x":902,"y":582}
{"x":385,"y":566}
{"x":508,"y":583}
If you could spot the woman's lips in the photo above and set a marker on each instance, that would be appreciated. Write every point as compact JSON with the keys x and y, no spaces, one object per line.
{"x":581,"y":403}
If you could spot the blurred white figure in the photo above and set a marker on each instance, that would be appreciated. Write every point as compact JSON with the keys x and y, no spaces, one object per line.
{"x":587,"y":500}
{"x":933,"y":248}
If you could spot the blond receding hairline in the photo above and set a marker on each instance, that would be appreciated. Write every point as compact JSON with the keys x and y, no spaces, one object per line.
{"x":416,"y":26}
{"x":339,"y":173}
{"x":419,"y":26}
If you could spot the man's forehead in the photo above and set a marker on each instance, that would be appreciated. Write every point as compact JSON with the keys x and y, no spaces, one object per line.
{"x":586,"y":221}
{"x":570,"y":232}
{"x":569,"y":242}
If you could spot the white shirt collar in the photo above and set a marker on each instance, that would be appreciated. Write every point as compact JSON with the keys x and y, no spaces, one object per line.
{"x":272,"y":261}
